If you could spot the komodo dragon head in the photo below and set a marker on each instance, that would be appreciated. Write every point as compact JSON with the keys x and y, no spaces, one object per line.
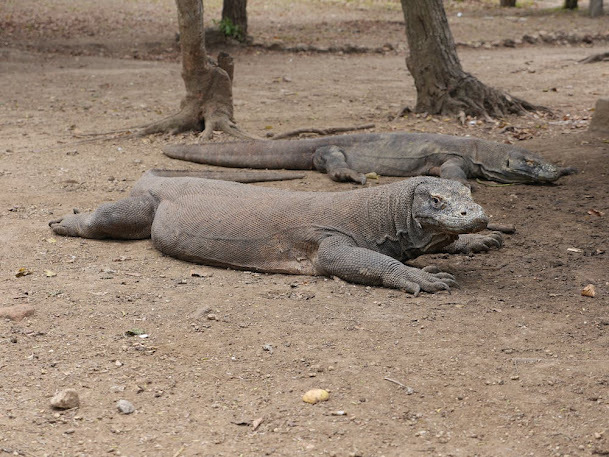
{"x":446,"y":206}
{"x":517,"y":165}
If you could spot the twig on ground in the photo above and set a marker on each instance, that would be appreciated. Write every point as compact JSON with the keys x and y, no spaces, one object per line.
{"x":327,"y":131}
{"x":409,"y":390}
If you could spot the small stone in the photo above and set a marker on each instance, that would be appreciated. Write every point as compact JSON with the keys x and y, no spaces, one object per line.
{"x":125,"y":407}
{"x":315,"y":396}
{"x":65,"y":399}
{"x":212,"y":317}
{"x":589,"y":291}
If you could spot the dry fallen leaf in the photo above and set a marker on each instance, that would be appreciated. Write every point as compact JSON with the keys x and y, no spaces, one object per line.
{"x":256,"y":423}
{"x":589,"y":291}
{"x":315,"y":396}
{"x":50,"y":273}
{"x":23,"y":272}
{"x":595,"y":212}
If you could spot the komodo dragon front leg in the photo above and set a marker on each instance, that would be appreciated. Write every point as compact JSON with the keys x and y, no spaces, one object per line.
{"x":127,"y":219}
{"x":340,"y":256}
{"x":471,"y":243}
{"x":454,"y":169}
{"x":331,"y":160}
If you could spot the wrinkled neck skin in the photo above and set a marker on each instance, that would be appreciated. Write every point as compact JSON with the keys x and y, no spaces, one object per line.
{"x":407,"y":237}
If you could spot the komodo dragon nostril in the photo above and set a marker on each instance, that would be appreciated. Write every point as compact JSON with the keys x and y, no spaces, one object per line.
{"x":463,"y":213}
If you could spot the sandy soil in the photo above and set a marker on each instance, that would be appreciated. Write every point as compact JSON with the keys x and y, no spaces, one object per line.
{"x":515,"y":362}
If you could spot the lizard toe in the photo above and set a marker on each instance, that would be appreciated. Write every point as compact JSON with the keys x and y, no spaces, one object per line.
{"x":411,"y":287}
{"x":55,"y":221}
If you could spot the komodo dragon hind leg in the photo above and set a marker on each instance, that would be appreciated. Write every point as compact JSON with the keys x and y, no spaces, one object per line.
{"x":127,"y":219}
{"x":331,"y":160}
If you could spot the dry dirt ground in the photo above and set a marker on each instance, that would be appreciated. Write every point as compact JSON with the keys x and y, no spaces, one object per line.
{"x":515,"y":362}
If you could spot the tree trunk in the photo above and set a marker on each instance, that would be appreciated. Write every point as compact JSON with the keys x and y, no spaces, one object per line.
{"x":236,"y":12}
{"x":596,"y":8}
{"x":570,"y":5}
{"x":510,"y":3}
{"x":442,"y":85}
{"x":208,"y":104}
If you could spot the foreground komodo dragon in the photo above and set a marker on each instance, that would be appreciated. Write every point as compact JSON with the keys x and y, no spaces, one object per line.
{"x":362,"y":236}
{"x":349,"y":157}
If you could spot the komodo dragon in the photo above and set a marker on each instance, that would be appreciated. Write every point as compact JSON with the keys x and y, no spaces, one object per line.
{"x":361,"y":236}
{"x":349,"y":157}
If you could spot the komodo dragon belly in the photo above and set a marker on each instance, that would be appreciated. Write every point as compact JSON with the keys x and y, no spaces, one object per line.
{"x":233,"y":233}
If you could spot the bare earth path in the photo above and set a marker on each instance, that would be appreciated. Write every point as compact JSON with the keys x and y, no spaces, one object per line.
{"x":515,"y":362}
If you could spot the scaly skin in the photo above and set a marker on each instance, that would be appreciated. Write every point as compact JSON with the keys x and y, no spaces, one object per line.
{"x":350,"y":157}
{"x":362,"y":236}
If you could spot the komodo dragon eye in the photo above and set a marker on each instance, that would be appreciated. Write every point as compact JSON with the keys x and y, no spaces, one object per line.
{"x":436,"y":201}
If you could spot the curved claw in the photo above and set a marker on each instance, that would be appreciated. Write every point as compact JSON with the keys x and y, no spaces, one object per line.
{"x":435,"y":282}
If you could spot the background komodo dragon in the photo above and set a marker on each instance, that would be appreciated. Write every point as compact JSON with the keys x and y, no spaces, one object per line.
{"x":349,"y":157}
{"x":356,"y":235}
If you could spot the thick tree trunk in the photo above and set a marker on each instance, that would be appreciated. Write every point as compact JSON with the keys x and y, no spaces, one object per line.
{"x":595,"y":8}
{"x":442,"y":85}
{"x":570,"y":5}
{"x":236,"y":12}
{"x":208,"y":104}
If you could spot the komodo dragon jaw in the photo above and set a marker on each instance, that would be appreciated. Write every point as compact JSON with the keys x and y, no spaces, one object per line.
{"x":527,"y":168}
{"x":449,"y":209}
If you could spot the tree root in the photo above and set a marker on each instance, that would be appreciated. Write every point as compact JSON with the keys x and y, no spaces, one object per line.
{"x":464,"y":93}
{"x":476,"y":99}
{"x":327,"y":131}
{"x":190,"y":118}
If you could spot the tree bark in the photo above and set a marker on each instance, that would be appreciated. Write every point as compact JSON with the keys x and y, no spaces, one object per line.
{"x":442,"y":85}
{"x":595,"y":8}
{"x":208,"y":104}
{"x":236,"y":12}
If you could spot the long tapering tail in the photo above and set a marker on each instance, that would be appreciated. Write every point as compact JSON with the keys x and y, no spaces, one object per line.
{"x":286,"y":154}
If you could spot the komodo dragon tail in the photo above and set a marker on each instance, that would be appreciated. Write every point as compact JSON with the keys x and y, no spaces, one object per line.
{"x":236,"y":176}
{"x":286,"y":154}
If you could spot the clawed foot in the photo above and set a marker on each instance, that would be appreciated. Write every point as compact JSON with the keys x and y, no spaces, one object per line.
{"x":429,"y":279}
{"x":483,"y":243}
{"x":346,"y":175}
{"x":433,"y":280}
{"x":473,"y":242}
{"x":66,"y":225}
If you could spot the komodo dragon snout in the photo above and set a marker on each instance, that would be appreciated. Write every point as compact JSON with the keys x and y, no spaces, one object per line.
{"x":524,"y":167}
{"x":448,"y":209}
